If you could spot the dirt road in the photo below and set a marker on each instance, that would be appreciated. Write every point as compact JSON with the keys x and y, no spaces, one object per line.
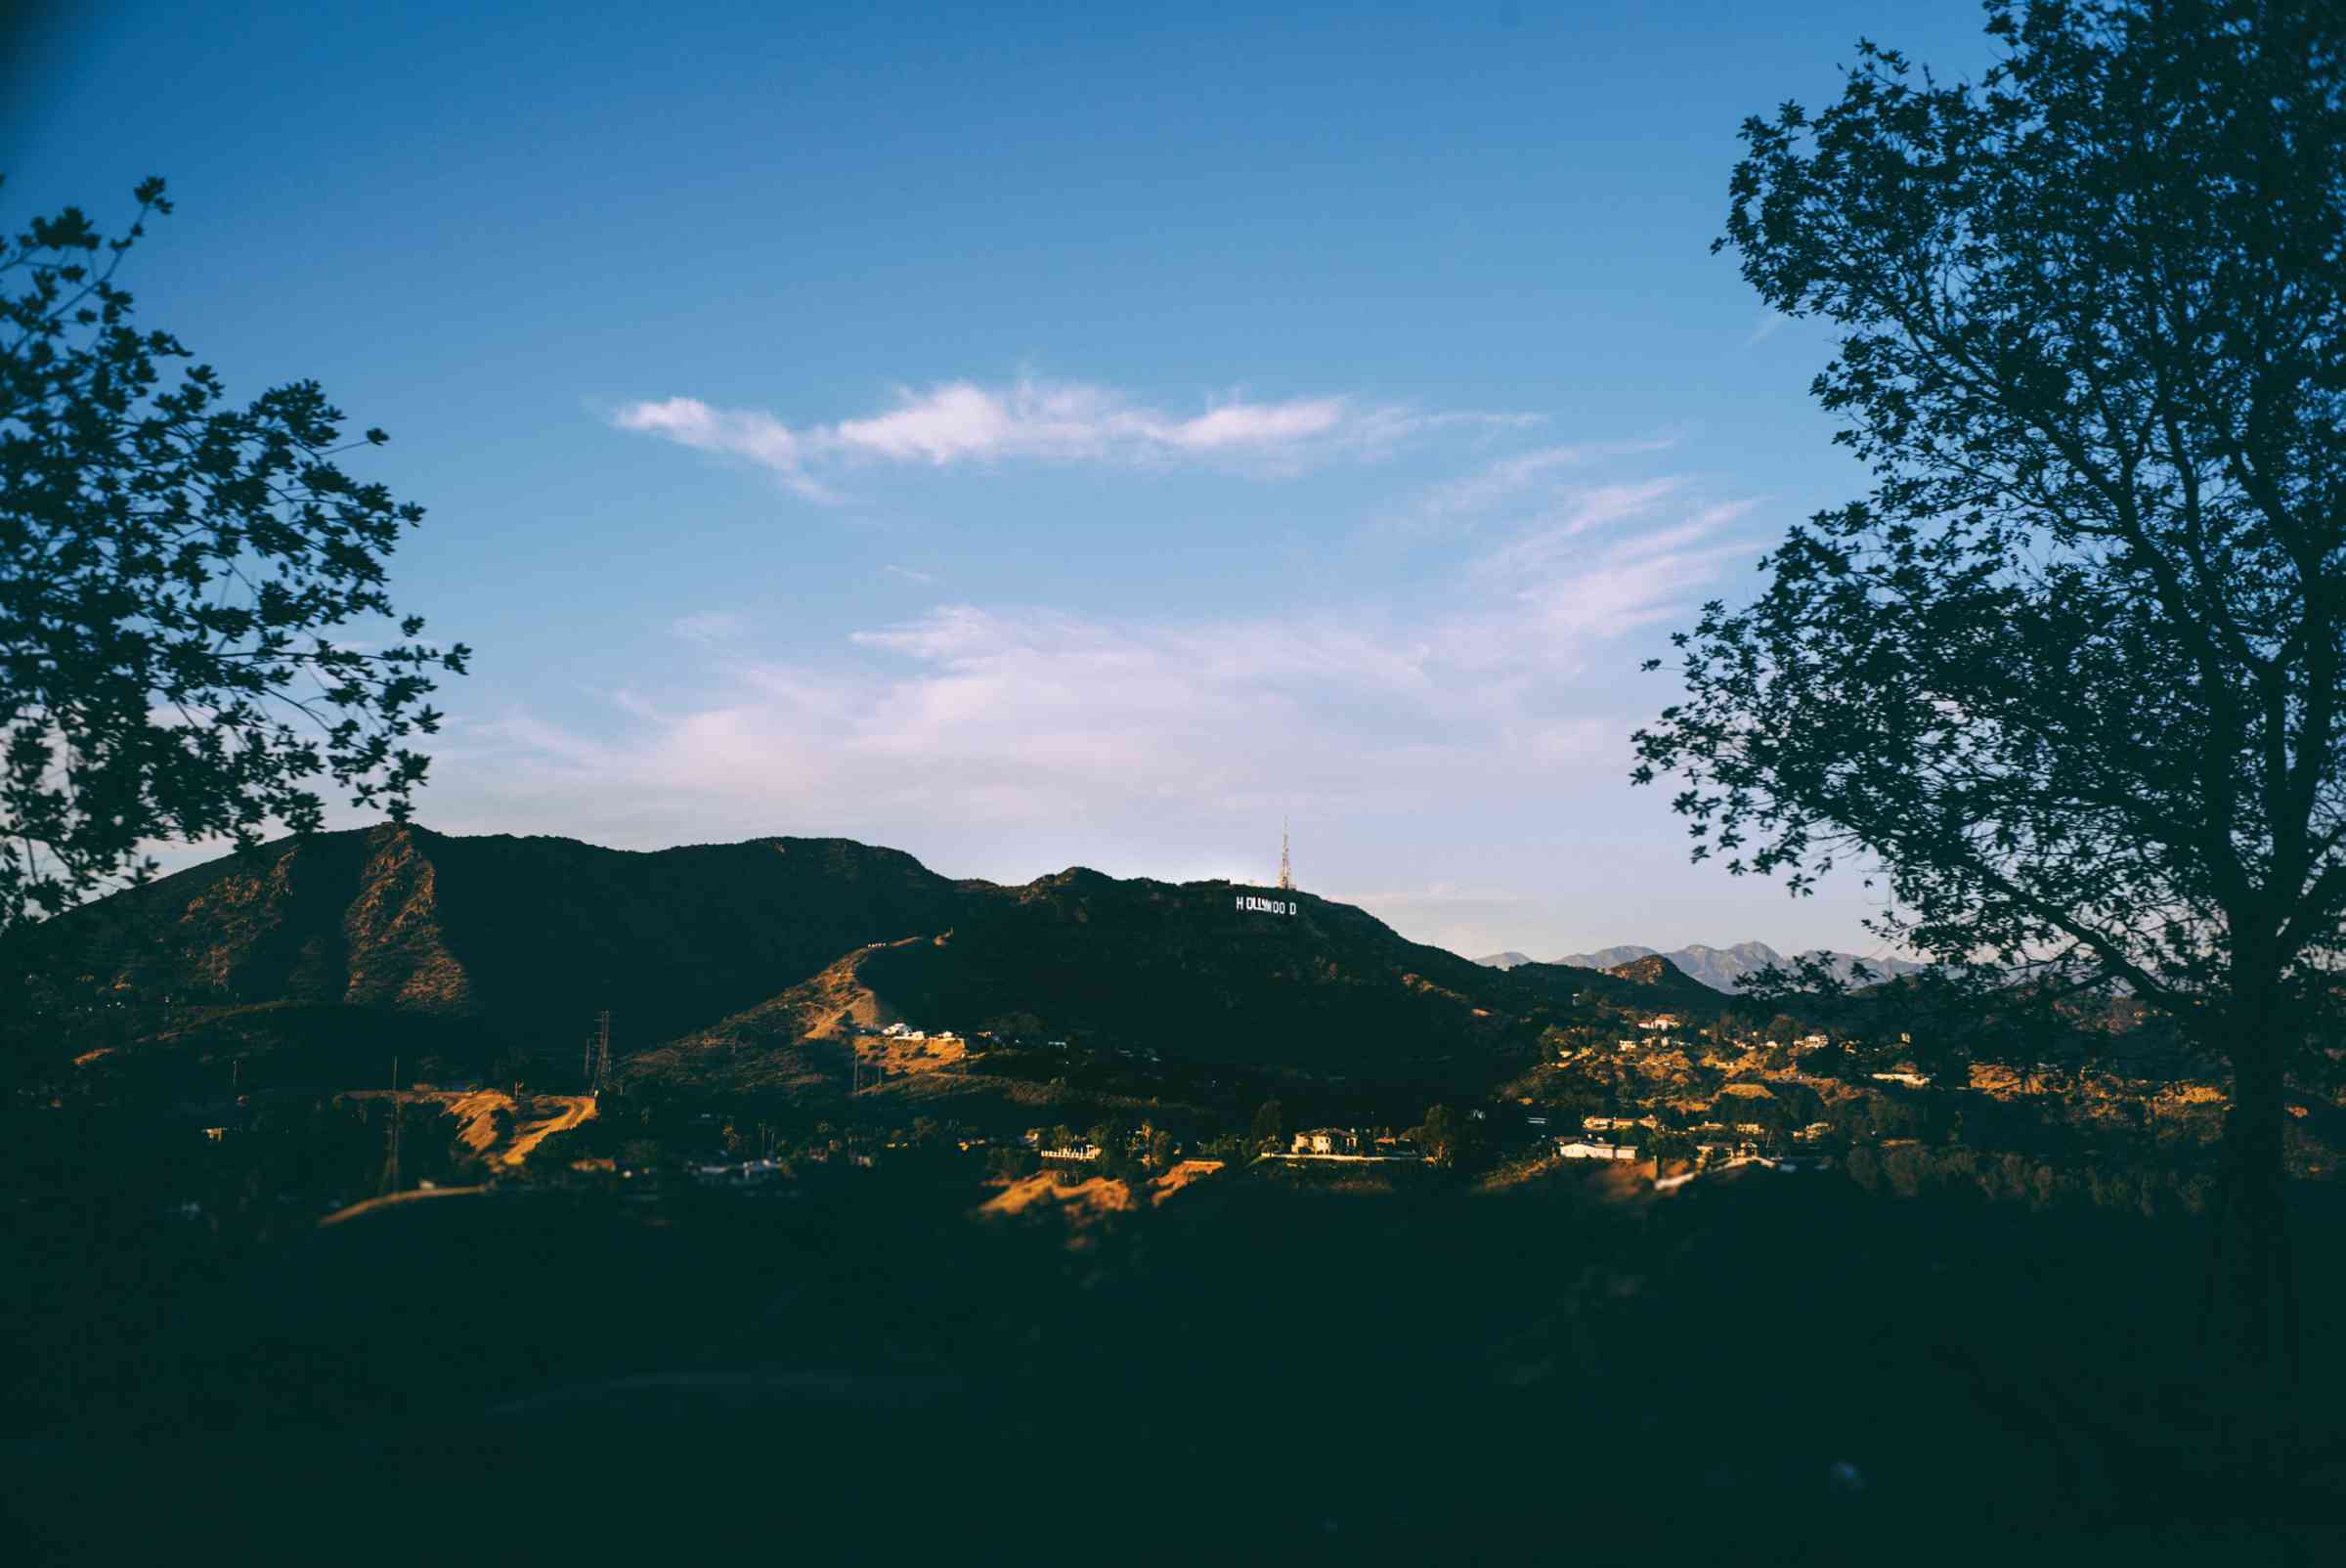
{"x":573,"y":1109}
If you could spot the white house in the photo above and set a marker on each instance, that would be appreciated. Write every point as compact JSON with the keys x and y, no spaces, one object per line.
{"x":1326,"y":1141}
{"x":1583,"y":1148}
{"x":1912,"y":1080}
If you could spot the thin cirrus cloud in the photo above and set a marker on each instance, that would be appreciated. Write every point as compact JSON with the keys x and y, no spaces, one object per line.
{"x":1509,"y":478}
{"x":995,"y":724}
{"x":961,"y":422}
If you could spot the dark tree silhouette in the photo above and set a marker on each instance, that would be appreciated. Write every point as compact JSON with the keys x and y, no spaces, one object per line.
{"x":2067,"y":680}
{"x":171,"y":567}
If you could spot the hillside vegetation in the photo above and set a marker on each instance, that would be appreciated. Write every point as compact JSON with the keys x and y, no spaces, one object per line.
{"x":317,"y":960}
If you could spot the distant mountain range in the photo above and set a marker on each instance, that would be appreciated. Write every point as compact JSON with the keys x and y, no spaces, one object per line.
{"x":1719,"y":968}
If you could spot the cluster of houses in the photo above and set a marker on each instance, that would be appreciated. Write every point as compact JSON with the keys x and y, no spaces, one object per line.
{"x":1348,"y":1143}
{"x":909,"y":1035}
{"x":1664,"y":1031}
{"x":1595,"y":1148}
{"x":1609,"y":1137}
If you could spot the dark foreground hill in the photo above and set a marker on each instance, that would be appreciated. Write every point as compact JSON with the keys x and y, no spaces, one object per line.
{"x":1759,"y":1370}
{"x":318,"y":959}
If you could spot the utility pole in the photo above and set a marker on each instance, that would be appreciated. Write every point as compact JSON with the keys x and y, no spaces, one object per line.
{"x":600,"y":1051}
{"x":391,"y":1171}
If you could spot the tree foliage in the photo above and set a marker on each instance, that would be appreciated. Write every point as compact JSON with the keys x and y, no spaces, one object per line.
{"x":2069,"y":678}
{"x":175,"y":570}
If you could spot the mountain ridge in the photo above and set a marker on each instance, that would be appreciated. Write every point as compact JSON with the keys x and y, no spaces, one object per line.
{"x":328,"y":954}
{"x":1717,"y":968}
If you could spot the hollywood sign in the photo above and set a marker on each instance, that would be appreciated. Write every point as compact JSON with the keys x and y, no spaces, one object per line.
{"x":1266,"y":906}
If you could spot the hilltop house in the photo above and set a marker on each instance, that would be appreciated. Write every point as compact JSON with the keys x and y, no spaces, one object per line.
{"x":1326,"y":1141}
{"x":1912,"y":1080}
{"x":1583,"y":1148}
{"x":1664,"y":1022}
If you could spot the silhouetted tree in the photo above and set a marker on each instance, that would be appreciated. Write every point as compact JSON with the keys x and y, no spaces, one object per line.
{"x":2070,"y":674}
{"x":171,"y":567}
{"x":1447,"y":1137}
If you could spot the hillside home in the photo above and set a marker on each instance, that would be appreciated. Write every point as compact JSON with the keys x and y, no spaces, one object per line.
{"x":1582,"y":1148}
{"x":1326,"y":1141}
{"x":1076,"y":1153}
{"x":1912,"y":1080}
{"x":1660,"y":1021}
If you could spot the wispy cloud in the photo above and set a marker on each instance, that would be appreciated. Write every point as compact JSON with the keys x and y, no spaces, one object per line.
{"x":1511,"y":477}
{"x":760,"y":437}
{"x":959,"y":423}
{"x":709,"y":627}
{"x":1768,"y":327}
{"x":925,"y":579}
{"x":1017,"y":720}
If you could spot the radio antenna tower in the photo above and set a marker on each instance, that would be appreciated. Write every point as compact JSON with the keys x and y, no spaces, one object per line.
{"x":601,"y":1081}
{"x":1286,"y":872}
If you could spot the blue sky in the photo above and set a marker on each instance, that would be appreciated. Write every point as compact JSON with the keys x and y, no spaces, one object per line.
{"x":1026,"y":436}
